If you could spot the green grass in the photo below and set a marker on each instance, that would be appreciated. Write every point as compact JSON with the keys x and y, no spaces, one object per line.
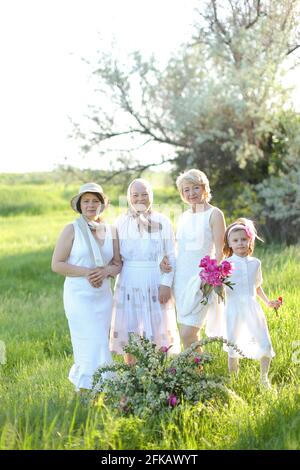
{"x":38,"y":407}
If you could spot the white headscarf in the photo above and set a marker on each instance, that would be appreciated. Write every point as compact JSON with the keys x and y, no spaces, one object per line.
{"x":144,"y":219}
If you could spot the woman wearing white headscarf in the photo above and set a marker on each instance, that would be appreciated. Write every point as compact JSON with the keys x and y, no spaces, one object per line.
{"x":142,"y":301}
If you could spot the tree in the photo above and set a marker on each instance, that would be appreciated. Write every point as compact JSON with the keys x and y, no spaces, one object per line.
{"x":216,"y":103}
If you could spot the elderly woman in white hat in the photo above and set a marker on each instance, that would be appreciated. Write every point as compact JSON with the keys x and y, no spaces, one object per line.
{"x":86,"y":253}
{"x":142,"y":302}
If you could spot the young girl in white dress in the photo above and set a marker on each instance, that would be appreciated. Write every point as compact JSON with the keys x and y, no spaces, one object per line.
{"x":142,"y":300}
{"x":245,"y":324}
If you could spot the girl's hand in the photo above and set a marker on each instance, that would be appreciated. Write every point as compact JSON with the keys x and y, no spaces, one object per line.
{"x":165,"y":265}
{"x":276,"y":304}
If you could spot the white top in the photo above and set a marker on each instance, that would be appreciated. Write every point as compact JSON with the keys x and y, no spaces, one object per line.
{"x":80,"y":255}
{"x":194,"y":241}
{"x":194,"y":236}
{"x":147,"y":247}
{"x":246,"y":276}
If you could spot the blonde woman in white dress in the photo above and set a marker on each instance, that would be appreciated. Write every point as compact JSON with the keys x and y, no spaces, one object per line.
{"x":200,"y":232}
{"x":86,"y":253}
{"x":142,"y":300}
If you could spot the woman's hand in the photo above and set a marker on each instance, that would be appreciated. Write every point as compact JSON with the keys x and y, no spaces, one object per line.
{"x":165,"y":265}
{"x":97,"y":275}
{"x":164,"y":294}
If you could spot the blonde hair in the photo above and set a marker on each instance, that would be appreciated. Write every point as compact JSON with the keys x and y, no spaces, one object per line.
{"x":231,"y":228}
{"x":196,"y":177}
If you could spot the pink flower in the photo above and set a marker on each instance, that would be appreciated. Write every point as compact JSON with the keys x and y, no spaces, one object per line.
{"x":197,"y":359}
{"x":214,"y":278}
{"x":164,"y":349}
{"x":213,"y":275}
{"x":208,"y":263}
{"x":172,"y":400}
{"x":226,"y":268}
{"x":280,"y":301}
{"x":172,"y":370}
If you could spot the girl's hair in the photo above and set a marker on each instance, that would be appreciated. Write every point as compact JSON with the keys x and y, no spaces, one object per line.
{"x":196,"y":177}
{"x":234,"y":227}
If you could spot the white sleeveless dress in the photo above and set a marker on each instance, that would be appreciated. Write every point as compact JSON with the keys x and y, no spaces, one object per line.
{"x":88,"y":311}
{"x":136,"y":305}
{"x":194,"y":241}
{"x":245,"y":323}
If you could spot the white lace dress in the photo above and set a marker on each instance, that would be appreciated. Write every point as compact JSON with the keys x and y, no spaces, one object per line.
{"x":194,"y":241}
{"x":245,"y":323}
{"x":88,"y":310}
{"x":136,"y":306}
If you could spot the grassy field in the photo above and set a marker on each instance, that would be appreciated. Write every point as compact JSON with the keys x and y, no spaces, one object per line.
{"x":38,"y":407}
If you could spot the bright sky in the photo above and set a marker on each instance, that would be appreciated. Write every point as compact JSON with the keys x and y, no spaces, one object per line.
{"x":43,"y":79}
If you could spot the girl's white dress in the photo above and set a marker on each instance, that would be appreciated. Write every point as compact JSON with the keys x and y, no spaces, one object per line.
{"x":88,"y":311}
{"x":245,"y":324}
{"x":136,"y":306}
{"x":194,"y":241}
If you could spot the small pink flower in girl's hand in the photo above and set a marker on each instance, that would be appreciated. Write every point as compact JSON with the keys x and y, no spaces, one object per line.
{"x":279,"y":303}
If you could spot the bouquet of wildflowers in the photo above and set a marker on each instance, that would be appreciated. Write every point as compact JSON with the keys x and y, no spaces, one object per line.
{"x":158,"y":381}
{"x":214,"y":276}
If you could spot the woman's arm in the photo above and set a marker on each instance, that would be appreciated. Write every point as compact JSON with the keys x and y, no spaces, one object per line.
{"x":168,"y":240}
{"x":115,"y":266}
{"x":62,"y":252}
{"x":218,"y":226}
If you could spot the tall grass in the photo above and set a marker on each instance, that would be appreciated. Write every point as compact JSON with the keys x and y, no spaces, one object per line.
{"x":38,"y":407}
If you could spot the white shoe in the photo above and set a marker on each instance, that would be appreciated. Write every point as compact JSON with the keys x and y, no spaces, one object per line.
{"x":265,"y":383}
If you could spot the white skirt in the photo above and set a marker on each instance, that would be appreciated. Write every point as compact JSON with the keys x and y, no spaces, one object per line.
{"x":88,"y":311}
{"x":190,"y":310}
{"x":137,"y":308}
{"x":246,"y":326}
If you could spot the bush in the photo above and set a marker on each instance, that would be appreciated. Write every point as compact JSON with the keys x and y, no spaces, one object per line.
{"x":157,"y":382}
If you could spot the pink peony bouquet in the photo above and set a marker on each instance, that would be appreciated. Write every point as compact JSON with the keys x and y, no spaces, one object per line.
{"x":214,"y":276}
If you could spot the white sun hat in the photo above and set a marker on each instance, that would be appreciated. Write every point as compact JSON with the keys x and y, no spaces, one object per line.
{"x":89,"y":188}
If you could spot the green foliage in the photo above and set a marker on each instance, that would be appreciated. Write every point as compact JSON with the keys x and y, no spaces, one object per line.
{"x":47,"y":192}
{"x":156,"y":381}
{"x":38,"y":406}
{"x":219,"y":104}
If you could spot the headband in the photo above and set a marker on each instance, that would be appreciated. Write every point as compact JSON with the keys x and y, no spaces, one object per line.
{"x":249,"y":230}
